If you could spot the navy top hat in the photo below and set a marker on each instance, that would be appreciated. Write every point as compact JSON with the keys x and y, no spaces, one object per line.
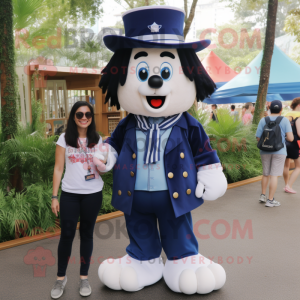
{"x":153,"y":27}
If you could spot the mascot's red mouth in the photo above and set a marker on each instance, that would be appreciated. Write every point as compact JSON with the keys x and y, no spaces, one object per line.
{"x":156,"y":101}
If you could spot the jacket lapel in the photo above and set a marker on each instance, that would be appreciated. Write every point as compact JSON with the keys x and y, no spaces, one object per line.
{"x":174,"y":140}
{"x":175,"y":137}
{"x":130,"y":135}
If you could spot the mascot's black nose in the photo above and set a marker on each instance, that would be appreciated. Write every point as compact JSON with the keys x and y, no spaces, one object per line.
{"x":155,"y":82}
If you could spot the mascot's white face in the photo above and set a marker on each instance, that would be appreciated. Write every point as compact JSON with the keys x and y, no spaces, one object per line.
{"x":156,"y":85}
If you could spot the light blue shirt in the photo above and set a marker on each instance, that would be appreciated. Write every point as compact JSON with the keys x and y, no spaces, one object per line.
{"x":285,"y":127}
{"x":151,"y":177}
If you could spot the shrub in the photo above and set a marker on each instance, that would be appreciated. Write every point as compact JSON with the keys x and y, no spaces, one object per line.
{"x":26,"y":213}
{"x":236,"y":146}
{"x":34,"y":155}
{"x":107,"y":193}
{"x":199,"y":115}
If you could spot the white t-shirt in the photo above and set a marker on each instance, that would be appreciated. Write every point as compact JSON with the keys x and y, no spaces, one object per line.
{"x":77,"y":168}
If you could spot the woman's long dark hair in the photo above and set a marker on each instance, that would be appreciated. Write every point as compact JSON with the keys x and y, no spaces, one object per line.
{"x":72,"y":135}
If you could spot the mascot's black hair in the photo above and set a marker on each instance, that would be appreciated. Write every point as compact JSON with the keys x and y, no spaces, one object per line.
{"x":116,"y":72}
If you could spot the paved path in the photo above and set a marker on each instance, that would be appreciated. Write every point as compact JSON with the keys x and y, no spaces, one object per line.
{"x":268,"y":266}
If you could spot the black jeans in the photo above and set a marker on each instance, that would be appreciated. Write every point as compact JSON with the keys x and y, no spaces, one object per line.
{"x":71,"y":207}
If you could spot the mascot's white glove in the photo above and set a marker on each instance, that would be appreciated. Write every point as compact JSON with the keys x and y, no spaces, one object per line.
{"x":212,"y":179}
{"x":105,"y":158}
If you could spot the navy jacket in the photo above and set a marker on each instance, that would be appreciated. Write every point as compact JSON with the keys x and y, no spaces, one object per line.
{"x":187,"y":149}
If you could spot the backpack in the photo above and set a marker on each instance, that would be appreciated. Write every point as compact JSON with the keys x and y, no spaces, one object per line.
{"x":271,"y":139}
{"x":295,"y":133}
{"x":214,"y":116}
{"x":293,"y":124}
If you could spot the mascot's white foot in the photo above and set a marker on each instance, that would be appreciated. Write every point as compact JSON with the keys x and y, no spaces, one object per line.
{"x":129,"y":274}
{"x":194,"y":274}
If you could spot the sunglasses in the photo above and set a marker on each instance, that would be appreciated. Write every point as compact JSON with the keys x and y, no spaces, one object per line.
{"x":79,"y":115}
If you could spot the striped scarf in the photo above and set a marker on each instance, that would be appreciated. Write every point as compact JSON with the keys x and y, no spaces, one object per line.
{"x":152,"y":153}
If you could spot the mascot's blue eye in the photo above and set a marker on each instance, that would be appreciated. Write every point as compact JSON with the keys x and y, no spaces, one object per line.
{"x":143,"y":74}
{"x":142,"y":71}
{"x":166,"y":71}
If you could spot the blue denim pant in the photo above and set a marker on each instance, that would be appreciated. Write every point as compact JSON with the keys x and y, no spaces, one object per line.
{"x":175,"y":235}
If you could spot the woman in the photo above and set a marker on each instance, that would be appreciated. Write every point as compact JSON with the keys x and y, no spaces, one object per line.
{"x":81,"y":192}
{"x":247,"y":116}
{"x":293,"y":147}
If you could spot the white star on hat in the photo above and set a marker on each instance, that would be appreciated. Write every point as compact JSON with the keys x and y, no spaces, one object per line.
{"x":154,"y":27}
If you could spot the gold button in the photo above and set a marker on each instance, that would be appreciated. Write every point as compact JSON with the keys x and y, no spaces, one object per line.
{"x":185,"y":174}
{"x":119,"y":193}
{"x":170,"y":175}
{"x":175,"y":195}
{"x":188,"y":191}
{"x":133,"y":156}
{"x":132,"y":174}
{"x":129,"y":194}
{"x":182,"y":155}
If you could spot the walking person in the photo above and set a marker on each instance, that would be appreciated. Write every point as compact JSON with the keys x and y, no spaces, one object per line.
{"x":248,"y":117}
{"x":271,"y":134}
{"x":234,"y":113}
{"x":267,"y":111}
{"x":81,"y":192}
{"x":293,"y":147}
{"x":213,"y":114}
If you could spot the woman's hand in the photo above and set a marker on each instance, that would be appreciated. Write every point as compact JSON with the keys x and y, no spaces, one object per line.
{"x":55,"y":206}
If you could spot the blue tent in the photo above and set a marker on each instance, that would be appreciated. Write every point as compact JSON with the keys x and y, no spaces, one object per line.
{"x":284,"y":83}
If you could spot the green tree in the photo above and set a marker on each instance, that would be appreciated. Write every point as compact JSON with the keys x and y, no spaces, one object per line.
{"x":236,"y":44}
{"x":92,"y":55}
{"x":266,"y":61}
{"x":41,"y":18}
{"x":130,"y":4}
{"x":189,"y":16}
{"x":9,"y":121}
{"x":7,"y":71}
{"x":85,"y":10}
{"x":256,"y":12}
{"x":292,"y":22}
{"x":292,"y":27}
{"x":44,"y":18}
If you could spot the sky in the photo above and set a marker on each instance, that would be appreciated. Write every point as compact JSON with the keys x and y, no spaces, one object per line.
{"x":112,"y":12}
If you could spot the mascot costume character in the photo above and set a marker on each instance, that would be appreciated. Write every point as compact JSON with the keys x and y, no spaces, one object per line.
{"x":164,"y":164}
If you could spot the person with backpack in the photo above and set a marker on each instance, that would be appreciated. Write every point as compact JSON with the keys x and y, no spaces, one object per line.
{"x":271,"y":134}
{"x":293,"y":148}
{"x":213,"y":114}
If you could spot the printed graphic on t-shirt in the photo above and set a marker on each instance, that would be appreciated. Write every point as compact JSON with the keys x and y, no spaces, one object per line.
{"x":84,"y":156}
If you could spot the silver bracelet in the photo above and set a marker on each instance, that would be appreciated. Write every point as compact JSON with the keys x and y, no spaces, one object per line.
{"x":54,"y":197}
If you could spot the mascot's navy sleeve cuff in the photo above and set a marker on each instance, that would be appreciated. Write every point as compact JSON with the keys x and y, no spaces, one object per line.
{"x":202,"y":152}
